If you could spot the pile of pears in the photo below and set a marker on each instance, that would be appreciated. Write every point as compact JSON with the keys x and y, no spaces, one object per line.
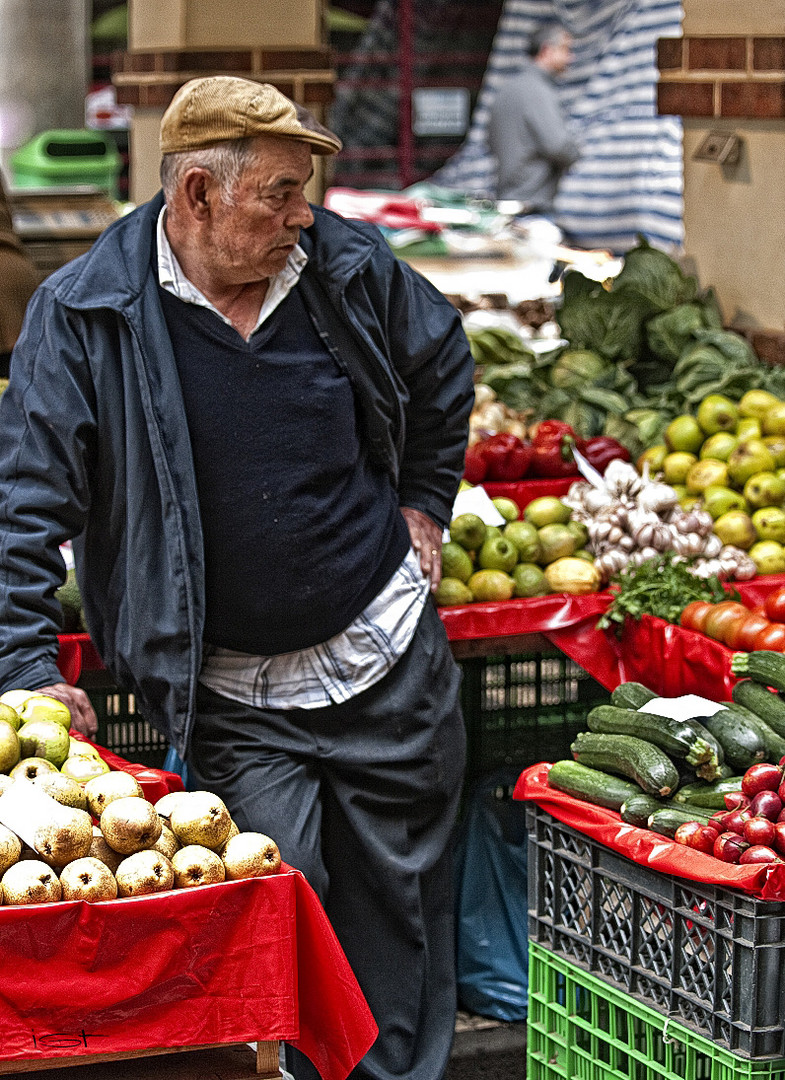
{"x":541,"y":551}
{"x":729,"y":459}
{"x":71,"y":828}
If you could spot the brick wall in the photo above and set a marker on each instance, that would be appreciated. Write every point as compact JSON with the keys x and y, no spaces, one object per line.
{"x":738,"y":77}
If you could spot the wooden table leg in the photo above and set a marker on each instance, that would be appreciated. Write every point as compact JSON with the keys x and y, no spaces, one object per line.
{"x":267,"y":1059}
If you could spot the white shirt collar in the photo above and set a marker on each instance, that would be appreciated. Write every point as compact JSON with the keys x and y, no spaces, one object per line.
{"x":172,"y":278}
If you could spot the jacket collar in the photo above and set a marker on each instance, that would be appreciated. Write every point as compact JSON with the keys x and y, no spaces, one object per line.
{"x":113,"y":274}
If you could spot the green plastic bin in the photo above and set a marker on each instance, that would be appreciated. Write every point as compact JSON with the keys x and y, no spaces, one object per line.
{"x":68,"y":158}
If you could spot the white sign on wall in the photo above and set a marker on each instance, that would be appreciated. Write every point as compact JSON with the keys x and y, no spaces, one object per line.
{"x":440,"y":111}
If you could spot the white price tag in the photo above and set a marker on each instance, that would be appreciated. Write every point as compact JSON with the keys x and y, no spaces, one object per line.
{"x":685,"y":707}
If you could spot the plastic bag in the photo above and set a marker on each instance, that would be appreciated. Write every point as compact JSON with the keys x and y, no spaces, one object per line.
{"x":491,"y":902}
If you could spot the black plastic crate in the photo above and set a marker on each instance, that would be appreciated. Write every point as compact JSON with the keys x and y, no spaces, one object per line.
{"x":122,"y":729}
{"x":523,"y":709}
{"x":710,"y":957}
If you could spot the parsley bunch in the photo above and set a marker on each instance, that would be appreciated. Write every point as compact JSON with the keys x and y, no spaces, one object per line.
{"x":662,"y":586}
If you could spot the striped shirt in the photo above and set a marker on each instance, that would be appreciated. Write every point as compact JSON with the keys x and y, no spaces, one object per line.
{"x":332,"y":671}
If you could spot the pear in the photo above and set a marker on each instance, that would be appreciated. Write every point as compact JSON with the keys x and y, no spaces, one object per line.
{"x":130,"y":824}
{"x":80,"y":748}
{"x":88,"y":879}
{"x":62,"y":788}
{"x":29,"y":767}
{"x":83,"y":767}
{"x":167,"y":843}
{"x":233,"y":831}
{"x":104,"y":789}
{"x":11,"y":716}
{"x":66,"y":837}
{"x":144,"y":872}
{"x":196,"y":865}
{"x":99,"y":849}
{"x":43,"y":707}
{"x":15,"y":698}
{"x":167,"y":802}
{"x":30,"y":882}
{"x":251,"y":854}
{"x":202,"y":818}
{"x":10,"y":848}
{"x":10,"y":749}
{"x":44,"y":738}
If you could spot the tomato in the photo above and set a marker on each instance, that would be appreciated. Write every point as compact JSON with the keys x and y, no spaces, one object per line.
{"x":773,"y":637}
{"x":695,"y":614}
{"x":759,"y":830}
{"x":726,"y":614}
{"x":774,"y":605}
{"x":746,"y":631}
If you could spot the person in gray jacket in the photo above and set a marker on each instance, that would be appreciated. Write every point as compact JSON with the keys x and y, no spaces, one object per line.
{"x":251,"y":418}
{"x":527,"y":131}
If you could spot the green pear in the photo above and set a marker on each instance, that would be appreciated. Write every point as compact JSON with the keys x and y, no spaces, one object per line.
{"x":468,"y":530}
{"x":717,"y":413}
{"x":750,"y":456}
{"x":764,"y":489}
{"x":44,"y":738}
{"x":768,"y":556}
{"x":769,"y":523}
{"x":546,"y":510}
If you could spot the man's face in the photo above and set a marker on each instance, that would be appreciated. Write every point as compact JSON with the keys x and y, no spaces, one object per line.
{"x":251,"y":238}
{"x":559,"y":55}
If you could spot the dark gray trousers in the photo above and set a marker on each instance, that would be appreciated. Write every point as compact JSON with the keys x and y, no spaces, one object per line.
{"x":362,"y":797}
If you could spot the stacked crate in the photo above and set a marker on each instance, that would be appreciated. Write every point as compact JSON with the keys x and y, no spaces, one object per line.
{"x":627,"y":963}
{"x":281,"y":42}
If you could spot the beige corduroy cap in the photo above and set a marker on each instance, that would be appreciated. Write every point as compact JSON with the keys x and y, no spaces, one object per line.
{"x":211,"y":110}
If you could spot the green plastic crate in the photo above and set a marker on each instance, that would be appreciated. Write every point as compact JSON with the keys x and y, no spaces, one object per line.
{"x":581,"y":1028}
{"x":522,"y":709}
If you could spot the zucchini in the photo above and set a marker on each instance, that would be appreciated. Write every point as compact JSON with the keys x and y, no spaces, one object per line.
{"x":712,"y":796}
{"x":675,"y":737}
{"x":666,"y":820}
{"x":765,"y":703}
{"x":590,"y":785}
{"x":773,"y":744}
{"x":741,"y":742}
{"x":763,"y":665}
{"x":641,"y":761}
{"x":631,"y":695}
{"x":638,"y":808}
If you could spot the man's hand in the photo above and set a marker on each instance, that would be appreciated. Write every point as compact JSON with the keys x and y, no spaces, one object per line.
{"x":83,"y":716}
{"x":426,"y":537}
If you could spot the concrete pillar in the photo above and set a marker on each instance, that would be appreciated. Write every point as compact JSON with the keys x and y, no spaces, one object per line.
{"x":44,"y":68}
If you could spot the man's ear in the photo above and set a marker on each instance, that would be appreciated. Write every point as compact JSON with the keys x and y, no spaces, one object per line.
{"x":199,"y":189}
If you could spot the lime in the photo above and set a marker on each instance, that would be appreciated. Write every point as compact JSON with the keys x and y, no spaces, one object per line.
{"x":450,"y":592}
{"x":529,"y":580}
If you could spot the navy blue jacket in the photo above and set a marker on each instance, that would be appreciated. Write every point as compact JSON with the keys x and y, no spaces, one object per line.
{"x":94,"y":446}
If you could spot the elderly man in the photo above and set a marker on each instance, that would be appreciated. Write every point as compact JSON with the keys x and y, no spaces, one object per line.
{"x":251,"y":419}
{"x":527,"y":132}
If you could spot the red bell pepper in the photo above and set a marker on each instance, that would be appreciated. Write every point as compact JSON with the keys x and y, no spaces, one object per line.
{"x":506,"y":456}
{"x":475,"y":467}
{"x":601,"y":450}
{"x":552,"y":445}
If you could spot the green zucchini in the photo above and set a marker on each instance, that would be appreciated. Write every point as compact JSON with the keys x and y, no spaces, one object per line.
{"x":667,"y":820}
{"x":641,"y":761}
{"x":774,"y":744}
{"x":675,"y":737}
{"x":631,"y":695}
{"x":763,"y":665}
{"x":741,"y":742}
{"x":765,"y":703}
{"x":638,"y":808}
{"x":590,"y":785}
{"x":712,"y":796}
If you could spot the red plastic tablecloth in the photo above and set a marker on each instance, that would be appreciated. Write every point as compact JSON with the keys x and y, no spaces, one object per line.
{"x":644,"y":846}
{"x":234,"y":962}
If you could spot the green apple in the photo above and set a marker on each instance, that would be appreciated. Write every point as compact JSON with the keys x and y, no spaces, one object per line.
{"x":769,"y":523}
{"x":676,"y":465}
{"x":468,"y":530}
{"x":525,"y":537}
{"x":684,"y":434}
{"x":719,"y":446}
{"x":764,"y":489}
{"x":736,"y":528}
{"x":44,"y":738}
{"x":498,"y":553}
{"x":768,"y":556}
{"x":750,"y":456}
{"x":708,"y":472}
{"x":43,"y":707}
{"x":718,"y":500}
{"x":717,"y":413}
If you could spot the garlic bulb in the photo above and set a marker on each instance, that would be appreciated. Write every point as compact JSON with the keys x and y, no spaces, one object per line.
{"x":658,"y":497}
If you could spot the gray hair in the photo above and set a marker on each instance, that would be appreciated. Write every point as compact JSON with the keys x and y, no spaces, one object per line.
{"x":549,"y":33}
{"x":226,"y":161}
